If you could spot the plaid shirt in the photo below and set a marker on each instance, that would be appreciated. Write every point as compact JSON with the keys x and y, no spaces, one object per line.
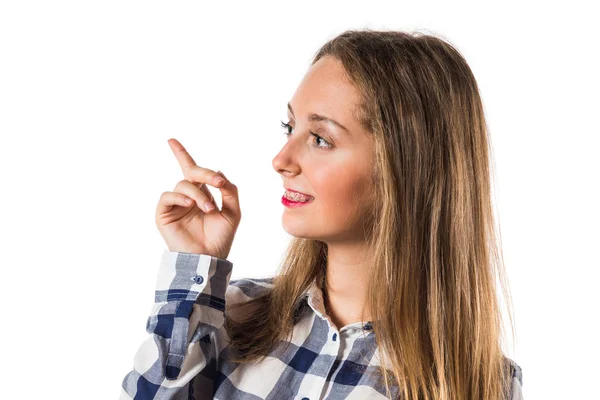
{"x":184,"y":356}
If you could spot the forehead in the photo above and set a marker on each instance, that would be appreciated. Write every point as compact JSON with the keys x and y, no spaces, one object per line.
{"x":326,"y":88}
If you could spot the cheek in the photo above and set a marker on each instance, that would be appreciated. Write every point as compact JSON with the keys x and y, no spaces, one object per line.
{"x":339,"y":188}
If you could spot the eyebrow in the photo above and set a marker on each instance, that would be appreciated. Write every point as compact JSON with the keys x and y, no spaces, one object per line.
{"x":317,"y":117}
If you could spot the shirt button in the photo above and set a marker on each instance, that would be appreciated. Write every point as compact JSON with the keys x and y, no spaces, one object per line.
{"x":305,"y":398}
{"x":334,"y":337}
{"x":198,"y":279}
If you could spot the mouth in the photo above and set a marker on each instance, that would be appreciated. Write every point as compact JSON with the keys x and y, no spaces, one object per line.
{"x":297,"y":197}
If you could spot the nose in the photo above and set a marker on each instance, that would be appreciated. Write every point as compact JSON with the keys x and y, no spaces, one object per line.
{"x":285,"y":162}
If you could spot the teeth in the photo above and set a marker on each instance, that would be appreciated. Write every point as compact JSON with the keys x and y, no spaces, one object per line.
{"x":296,"y":197}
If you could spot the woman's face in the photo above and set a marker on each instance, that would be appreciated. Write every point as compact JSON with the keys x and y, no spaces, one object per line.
{"x":334,"y":169}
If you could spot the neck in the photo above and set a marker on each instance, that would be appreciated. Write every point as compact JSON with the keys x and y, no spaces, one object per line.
{"x":345,"y":283}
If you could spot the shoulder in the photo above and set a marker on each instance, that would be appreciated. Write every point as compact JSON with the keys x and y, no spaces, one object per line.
{"x":517,"y":379}
{"x":516,"y":370}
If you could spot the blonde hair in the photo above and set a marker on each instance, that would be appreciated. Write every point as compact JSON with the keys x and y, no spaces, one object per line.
{"x":433,"y":242}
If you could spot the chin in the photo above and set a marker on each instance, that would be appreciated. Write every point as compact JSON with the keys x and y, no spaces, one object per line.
{"x":297,"y":228}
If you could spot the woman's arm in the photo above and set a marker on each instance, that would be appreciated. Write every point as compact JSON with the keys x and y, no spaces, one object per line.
{"x":188,"y":310}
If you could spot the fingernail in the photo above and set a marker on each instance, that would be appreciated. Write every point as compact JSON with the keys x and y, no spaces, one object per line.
{"x":208,"y":206}
{"x":218,"y":181}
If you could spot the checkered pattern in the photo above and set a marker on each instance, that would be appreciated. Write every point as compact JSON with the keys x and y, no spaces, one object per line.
{"x":185,"y":355}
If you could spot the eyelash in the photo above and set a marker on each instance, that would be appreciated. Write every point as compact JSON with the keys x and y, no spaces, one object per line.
{"x":317,"y":137}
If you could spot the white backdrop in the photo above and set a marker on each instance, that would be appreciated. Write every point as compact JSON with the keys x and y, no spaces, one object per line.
{"x":91,"y":91}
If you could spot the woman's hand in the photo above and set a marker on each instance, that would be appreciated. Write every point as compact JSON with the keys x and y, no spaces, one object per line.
{"x":189,"y":227}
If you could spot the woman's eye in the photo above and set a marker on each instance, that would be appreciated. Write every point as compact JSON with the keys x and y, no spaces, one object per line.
{"x":288,"y":132}
{"x":287,"y":127}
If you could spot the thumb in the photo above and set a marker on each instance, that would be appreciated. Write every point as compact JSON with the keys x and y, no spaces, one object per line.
{"x":229,"y":198}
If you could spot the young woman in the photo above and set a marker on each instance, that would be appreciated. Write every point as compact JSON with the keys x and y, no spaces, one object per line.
{"x":388,"y":287}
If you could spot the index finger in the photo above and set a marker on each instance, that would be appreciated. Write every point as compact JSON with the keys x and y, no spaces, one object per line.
{"x":183,"y":157}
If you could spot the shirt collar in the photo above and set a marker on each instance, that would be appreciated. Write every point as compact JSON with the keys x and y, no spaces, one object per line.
{"x":313,"y":297}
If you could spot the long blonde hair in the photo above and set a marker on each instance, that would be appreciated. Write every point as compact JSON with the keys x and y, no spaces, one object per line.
{"x":434,"y":246}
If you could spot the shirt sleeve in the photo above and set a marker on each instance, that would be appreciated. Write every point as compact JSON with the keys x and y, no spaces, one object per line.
{"x":188,"y":311}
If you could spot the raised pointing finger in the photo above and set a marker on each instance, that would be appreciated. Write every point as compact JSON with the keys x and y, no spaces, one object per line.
{"x":195,"y":173}
{"x":183,"y":157}
{"x":191,"y":171}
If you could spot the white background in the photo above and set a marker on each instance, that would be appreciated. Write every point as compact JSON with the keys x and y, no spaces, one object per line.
{"x":91,"y":91}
